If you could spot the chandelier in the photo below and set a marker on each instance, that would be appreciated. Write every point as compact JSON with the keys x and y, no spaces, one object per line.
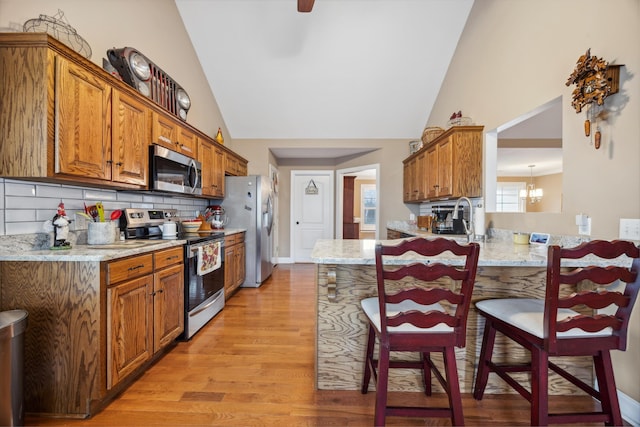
{"x":534,"y":194}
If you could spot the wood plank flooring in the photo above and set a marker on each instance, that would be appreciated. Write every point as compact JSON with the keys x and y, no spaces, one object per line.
{"x":253,"y":365}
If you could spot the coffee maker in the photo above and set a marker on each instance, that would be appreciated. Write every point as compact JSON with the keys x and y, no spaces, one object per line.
{"x":443,"y":222}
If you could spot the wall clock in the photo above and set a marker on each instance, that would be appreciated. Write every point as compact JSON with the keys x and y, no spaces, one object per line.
{"x":595,"y":79}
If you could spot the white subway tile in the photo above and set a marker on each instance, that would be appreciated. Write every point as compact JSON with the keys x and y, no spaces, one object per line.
{"x":15,"y":188}
{"x":20,"y":215}
{"x":99,"y":195}
{"x":58,"y":192}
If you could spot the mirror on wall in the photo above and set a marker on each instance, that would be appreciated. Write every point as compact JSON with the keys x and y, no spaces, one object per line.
{"x":524,"y":162}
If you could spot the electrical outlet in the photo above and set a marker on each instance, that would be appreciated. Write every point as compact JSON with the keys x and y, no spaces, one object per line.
{"x":584,"y":228}
{"x":630,"y":229}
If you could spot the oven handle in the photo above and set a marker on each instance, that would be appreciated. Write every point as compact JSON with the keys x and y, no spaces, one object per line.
{"x":208,"y":305}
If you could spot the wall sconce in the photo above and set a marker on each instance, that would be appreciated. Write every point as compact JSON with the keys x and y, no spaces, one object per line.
{"x":595,"y":79}
{"x":534,"y":194}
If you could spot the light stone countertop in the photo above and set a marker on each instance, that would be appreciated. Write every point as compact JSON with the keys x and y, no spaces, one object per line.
{"x":492,"y":253}
{"x":35,"y":247}
{"x":87,"y":253}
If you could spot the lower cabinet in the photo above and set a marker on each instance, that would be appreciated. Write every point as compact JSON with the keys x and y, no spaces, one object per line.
{"x":145,"y":313}
{"x":234,"y":259}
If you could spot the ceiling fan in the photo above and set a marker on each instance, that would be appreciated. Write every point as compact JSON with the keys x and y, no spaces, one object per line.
{"x":305,"y":5}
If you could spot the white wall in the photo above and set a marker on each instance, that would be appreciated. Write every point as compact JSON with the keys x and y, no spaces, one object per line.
{"x":515,"y":55}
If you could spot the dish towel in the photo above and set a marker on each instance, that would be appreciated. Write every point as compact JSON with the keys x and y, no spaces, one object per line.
{"x":209,"y":258}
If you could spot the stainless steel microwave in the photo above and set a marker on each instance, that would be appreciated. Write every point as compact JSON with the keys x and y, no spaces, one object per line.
{"x":174,"y":172}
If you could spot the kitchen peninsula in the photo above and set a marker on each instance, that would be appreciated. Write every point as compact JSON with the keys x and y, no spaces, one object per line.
{"x":345,"y":274}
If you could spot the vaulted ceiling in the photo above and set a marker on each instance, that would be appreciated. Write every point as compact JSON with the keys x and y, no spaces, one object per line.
{"x":349,"y":69}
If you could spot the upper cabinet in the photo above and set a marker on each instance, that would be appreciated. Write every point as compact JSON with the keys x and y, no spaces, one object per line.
{"x":170,"y":134}
{"x":211,"y":156}
{"x":234,"y":165}
{"x":129,"y":139}
{"x":448,"y":167}
{"x":64,"y":119}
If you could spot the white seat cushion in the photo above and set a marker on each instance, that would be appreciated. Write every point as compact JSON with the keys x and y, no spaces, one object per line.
{"x":371,"y":309}
{"x":527,"y":314}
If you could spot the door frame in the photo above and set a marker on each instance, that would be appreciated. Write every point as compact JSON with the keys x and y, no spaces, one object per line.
{"x":309,"y":173}
{"x":340,"y":174}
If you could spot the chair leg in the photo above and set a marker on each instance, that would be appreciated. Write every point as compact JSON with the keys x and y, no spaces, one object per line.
{"x":368,"y":357}
{"x":381,"y":386}
{"x":426,"y":373}
{"x":455,"y":399}
{"x":607,"y":386}
{"x":482,"y":376}
{"x":539,"y":387}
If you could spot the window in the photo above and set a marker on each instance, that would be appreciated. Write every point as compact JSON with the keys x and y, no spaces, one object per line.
{"x":368,"y":206}
{"x":508,"y":197}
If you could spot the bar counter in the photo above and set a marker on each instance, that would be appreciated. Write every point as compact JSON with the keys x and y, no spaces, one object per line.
{"x":345,"y":274}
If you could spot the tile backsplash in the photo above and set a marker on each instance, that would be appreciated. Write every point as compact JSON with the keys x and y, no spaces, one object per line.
{"x":26,"y":205}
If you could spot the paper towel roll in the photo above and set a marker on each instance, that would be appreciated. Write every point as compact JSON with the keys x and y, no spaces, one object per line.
{"x":478,"y":221}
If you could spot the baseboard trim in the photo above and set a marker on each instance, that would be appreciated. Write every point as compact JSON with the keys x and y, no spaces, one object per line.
{"x":629,"y":409}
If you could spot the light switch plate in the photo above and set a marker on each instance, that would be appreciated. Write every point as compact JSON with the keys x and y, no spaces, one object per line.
{"x":630,"y":229}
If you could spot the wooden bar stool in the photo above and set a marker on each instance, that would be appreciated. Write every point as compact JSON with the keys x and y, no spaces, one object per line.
{"x":420,"y":308}
{"x":554,"y":327}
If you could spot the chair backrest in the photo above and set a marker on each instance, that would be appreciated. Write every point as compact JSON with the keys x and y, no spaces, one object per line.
{"x":424,"y":285}
{"x":604,"y":275}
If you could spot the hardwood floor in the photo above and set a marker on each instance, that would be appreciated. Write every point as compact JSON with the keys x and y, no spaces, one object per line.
{"x":253,"y":365}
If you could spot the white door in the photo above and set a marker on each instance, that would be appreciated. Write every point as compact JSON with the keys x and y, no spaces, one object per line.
{"x":311,"y":211}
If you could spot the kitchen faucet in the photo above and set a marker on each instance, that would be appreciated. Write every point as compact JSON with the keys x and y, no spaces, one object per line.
{"x":468,"y":227}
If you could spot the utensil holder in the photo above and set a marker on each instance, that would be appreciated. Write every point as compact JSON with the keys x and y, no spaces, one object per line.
{"x":102,"y":233}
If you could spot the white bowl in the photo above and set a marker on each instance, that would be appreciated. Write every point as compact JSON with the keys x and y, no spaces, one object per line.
{"x":191,"y":226}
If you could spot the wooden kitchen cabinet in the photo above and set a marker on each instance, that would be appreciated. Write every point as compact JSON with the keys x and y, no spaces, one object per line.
{"x":212,"y":158}
{"x":234,"y":259}
{"x":94,"y":326}
{"x":130,"y":139}
{"x":234,"y":165}
{"x":168,"y":294}
{"x":82,"y":114}
{"x":145,"y":312}
{"x":449,"y":167}
{"x":167,"y":132}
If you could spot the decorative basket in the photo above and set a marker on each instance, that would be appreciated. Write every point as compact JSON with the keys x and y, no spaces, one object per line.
{"x":460,"y":121}
{"x":431,"y":133}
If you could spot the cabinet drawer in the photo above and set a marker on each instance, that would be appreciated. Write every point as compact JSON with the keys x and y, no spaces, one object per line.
{"x":168,"y":257}
{"x":129,"y":268}
{"x":233,"y":239}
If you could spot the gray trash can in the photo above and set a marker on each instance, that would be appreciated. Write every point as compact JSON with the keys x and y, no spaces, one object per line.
{"x":12,"y":326}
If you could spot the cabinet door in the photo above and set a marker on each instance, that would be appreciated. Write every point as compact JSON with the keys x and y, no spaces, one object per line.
{"x":445,"y":167}
{"x":130,"y":139}
{"x":240,"y":266}
{"x":187,"y":142}
{"x":211,"y":158}
{"x":420,"y":179}
{"x":130,"y":323}
{"x":82,"y":122}
{"x":168,"y":305}
{"x":218,"y":172}
{"x":410,"y":190}
{"x":164,"y":131}
{"x":431,"y":162}
{"x":229,"y":270}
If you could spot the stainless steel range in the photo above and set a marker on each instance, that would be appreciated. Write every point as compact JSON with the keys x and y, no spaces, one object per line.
{"x":203,"y":257}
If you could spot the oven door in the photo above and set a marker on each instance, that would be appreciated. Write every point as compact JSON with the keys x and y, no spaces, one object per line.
{"x":204,"y":293}
{"x":202,"y":286}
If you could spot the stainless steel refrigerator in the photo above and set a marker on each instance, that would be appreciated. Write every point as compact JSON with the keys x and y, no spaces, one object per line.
{"x":248,"y":204}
